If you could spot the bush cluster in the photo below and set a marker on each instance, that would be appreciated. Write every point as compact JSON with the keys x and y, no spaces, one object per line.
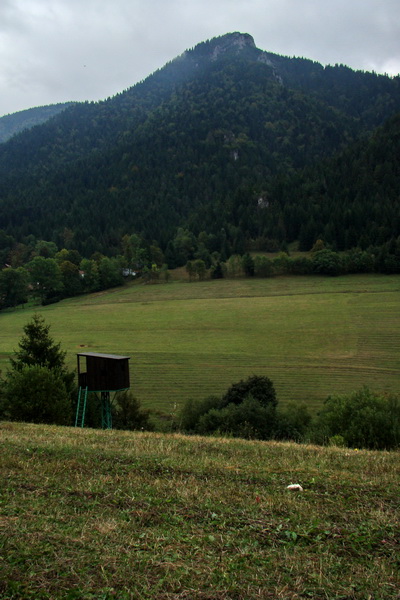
{"x":362,"y":419}
{"x":249,"y":409}
{"x":324,"y":261}
{"x":320,"y":261}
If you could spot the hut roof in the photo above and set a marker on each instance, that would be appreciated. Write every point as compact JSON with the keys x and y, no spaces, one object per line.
{"x":99,"y":355}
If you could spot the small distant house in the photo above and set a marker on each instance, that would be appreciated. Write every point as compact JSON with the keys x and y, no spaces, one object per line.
{"x":128,"y":273}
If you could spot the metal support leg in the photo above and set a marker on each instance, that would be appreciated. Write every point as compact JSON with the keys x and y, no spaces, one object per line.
{"x":106,"y":418}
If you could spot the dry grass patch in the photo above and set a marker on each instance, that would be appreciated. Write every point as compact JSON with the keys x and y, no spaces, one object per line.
{"x":90,"y":514}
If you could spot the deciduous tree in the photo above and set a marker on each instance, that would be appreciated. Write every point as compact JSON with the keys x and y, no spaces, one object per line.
{"x":258,"y":387}
{"x":36,"y":394}
{"x":363,"y":419}
{"x":13,"y":286}
{"x":46,"y":277}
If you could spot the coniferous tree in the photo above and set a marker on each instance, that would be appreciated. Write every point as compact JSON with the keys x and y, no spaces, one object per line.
{"x":38,"y":388}
{"x":37,"y":347}
{"x":248,"y":265}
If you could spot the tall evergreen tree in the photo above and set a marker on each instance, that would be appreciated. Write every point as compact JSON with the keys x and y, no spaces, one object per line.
{"x":37,"y":348}
{"x":38,"y":388}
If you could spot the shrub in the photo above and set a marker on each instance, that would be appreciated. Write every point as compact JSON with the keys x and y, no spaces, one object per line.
{"x":300,"y":266}
{"x":358,"y":261}
{"x":364,"y":420}
{"x":217,"y":271}
{"x":36,"y":394}
{"x":292,"y":423}
{"x":249,"y":419}
{"x":127,"y":413}
{"x":327,"y":262}
{"x":246,"y":410}
{"x":263,"y":266}
{"x":193,"y":410}
{"x":248,"y":265}
{"x":259,"y":387}
{"x":338,"y":441}
{"x":281,"y":264}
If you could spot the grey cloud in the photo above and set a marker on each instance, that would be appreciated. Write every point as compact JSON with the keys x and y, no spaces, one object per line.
{"x":58,"y":50}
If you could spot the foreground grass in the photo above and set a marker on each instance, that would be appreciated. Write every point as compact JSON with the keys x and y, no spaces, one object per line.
{"x":86,"y":514}
{"x":313,"y":336}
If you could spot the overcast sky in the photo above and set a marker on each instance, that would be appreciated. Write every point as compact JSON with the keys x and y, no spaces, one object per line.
{"x":58,"y":50}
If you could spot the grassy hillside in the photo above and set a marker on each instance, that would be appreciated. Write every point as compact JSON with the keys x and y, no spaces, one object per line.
{"x":312,"y":336}
{"x":92,"y":515}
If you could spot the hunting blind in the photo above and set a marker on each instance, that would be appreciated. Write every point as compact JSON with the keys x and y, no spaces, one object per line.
{"x":105,"y":373}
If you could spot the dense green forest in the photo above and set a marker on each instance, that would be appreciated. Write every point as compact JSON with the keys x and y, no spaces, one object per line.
{"x":227,"y":147}
{"x":12,"y":124}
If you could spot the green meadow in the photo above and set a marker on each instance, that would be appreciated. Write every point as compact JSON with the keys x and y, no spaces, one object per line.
{"x":313,"y":336}
{"x":87,"y":514}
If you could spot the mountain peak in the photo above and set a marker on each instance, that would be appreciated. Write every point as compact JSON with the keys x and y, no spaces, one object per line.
{"x":232,"y":41}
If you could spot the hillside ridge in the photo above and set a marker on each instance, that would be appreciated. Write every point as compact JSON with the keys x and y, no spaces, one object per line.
{"x":17,"y":122}
{"x":226,"y":140}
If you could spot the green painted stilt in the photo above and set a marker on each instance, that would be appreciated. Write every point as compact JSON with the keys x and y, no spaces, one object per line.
{"x":81,"y":407}
{"x":106,"y":418}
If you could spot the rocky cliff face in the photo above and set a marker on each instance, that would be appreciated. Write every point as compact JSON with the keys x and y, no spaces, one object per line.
{"x":232,"y":42}
{"x":212,"y":50}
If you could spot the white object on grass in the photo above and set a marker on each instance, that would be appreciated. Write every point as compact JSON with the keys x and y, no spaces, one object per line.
{"x":295,"y":487}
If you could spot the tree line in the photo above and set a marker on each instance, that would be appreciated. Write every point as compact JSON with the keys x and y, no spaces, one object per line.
{"x":39,"y":270}
{"x":320,"y":261}
{"x":49,"y":274}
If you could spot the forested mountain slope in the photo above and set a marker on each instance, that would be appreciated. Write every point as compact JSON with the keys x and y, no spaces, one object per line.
{"x":25,"y":119}
{"x":226,"y":139}
{"x":352,"y":199}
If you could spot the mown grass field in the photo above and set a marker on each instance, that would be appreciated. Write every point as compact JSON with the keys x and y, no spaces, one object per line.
{"x":100,"y":515}
{"x":313,"y":336}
